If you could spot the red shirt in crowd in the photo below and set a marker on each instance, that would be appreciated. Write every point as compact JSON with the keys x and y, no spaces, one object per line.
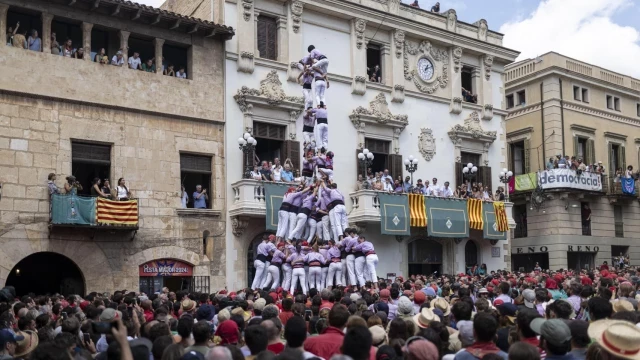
{"x":148,"y":315}
{"x":285,"y":316}
{"x":329,"y":343}
{"x":276,"y":348}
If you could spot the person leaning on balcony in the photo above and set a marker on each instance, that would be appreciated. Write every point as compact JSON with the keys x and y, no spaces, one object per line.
{"x":11,"y":33}
{"x":118,"y":59}
{"x":629,"y":173}
{"x":95,"y":189}
{"x":135,"y":61}
{"x":106,"y":187}
{"x":20,"y":39}
{"x":200,"y":198}
{"x":99,"y":55}
{"x":149,"y":66}
{"x":550,"y":164}
{"x":446,"y":190}
{"x":169,"y":71}
{"x":53,"y":189}
{"x":67,"y":48}
{"x":181,"y":74}
{"x":79,"y":54}
{"x":266,"y":173}
{"x":34,"y":43}
{"x":55,"y":46}
{"x":255,"y":174}
{"x":377,"y":185}
{"x":72,"y":185}
{"x":122,"y":191}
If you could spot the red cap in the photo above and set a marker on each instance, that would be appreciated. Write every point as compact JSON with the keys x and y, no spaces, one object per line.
{"x":419,"y":297}
{"x":585,"y":280}
{"x":621,"y":279}
{"x":279,"y":290}
{"x":223,"y":292}
{"x":385,"y":294}
{"x":498,"y":302}
{"x":272,"y":237}
{"x":551,"y":284}
{"x":274,"y":296}
{"x":305,"y":243}
{"x":495,"y":282}
{"x":490,"y":288}
{"x":84,"y":304}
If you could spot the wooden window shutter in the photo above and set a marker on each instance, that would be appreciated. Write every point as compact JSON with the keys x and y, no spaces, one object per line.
{"x":485,"y":176}
{"x":527,"y":156}
{"x":510,"y":160}
{"x":612,"y":171}
{"x":195,"y":163}
{"x":267,"y":37}
{"x":91,"y":153}
{"x":459,"y":178}
{"x":291,"y":150}
{"x":590,"y":156}
{"x":395,"y":162}
{"x":360,"y":167}
{"x":575,"y":146}
{"x":622,"y":160}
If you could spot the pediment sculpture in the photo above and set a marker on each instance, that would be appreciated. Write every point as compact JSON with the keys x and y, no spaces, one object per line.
{"x":427,"y":143}
{"x":378,"y":112}
{"x":270,"y":91}
{"x":471,"y":130}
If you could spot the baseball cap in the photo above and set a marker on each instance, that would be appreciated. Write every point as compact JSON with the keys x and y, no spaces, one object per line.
{"x":529,"y":298}
{"x":7,"y":336}
{"x":555,"y":331}
{"x":110,"y":314}
{"x":192,"y":355}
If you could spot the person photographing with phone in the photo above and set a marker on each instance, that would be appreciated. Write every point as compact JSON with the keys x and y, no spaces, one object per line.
{"x":200,"y":198}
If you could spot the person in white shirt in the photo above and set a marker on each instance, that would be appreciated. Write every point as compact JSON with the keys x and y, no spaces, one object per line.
{"x":386,"y":176}
{"x":446,"y":190}
{"x":181,"y":74}
{"x":435,"y":188}
{"x":118,"y":59}
{"x":388,"y":186}
{"x":135,"y":62}
{"x":255,"y":174}
{"x":184,"y":199}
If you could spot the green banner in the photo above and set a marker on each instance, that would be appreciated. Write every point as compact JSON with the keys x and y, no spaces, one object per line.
{"x":73,"y":209}
{"x":490,"y":229}
{"x":526,"y":182}
{"x":447,"y":218}
{"x":394,"y":214}
{"x":273,"y":197}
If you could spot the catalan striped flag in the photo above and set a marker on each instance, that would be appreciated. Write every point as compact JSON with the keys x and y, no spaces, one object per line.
{"x":417,"y":209}
{"x":501,"y":216}
{"x":117,"y":212}
{"x":474,"y":208}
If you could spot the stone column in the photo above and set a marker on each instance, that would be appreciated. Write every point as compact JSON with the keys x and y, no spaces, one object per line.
{"x":86,"y":40}
{"x":385,"y":64}
{"x":255,"y":34}
{"x":246,"y":35}
{"x":124,"y":46}
{"x":46,"y":32}
{"x":455,"y":56}
{"x":552,"y":117}
{"x":358,"y":56}
{"x":486,"y":62}
{"x":158,"y":43}
{"x":283,"y":42}
{"x":396,"y":66}
{"x":294,"y":37}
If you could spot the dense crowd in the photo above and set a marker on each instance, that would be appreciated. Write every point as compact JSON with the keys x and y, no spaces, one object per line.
{"x":502,"y":315}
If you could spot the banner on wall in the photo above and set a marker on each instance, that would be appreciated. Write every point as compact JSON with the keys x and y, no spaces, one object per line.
{"x":274,"y":194}
{"x":394,"y":214}
{"x":569,"y":179}
{"x":491,"y":231}
{"x":447,"y":218}
{"x":165,"y":267}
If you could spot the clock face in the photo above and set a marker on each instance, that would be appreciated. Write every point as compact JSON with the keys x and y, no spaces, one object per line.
{"x":425,"y":69}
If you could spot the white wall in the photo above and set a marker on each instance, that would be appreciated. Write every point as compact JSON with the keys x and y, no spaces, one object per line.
{"x":334,"y":44}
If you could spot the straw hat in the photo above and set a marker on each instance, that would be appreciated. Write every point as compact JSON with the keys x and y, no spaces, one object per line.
{"x":618,"y":337}
{"x":26,"y":345}
{"x":425,"y":317}
{"x":622,"y":305}
{"x":442,"y":304}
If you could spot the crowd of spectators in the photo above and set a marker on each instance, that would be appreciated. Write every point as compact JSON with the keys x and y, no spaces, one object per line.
{"x":274,"y":171}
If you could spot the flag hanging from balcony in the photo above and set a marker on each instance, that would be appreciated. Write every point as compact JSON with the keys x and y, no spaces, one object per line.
{"x":417,"y":208}
{"x":501,"y":216}
{"x":273,"y":194}
{"x":394,"y":214}
{"x":526,"y":182}
{"x":474,"y":208}
{"x":73,"y":209}
{"x":447,"y":218}
{"x":491,"y":231}
{"x":114,"y":212}
{"x":628,"y":186}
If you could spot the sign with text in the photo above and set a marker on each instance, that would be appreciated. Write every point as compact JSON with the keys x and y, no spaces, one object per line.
{"x":569,"y":179}
{"x":165,"y":267}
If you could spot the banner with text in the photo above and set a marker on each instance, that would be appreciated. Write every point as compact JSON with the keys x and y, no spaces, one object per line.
{"x":274,"y":193}
{"x":569,"y":179}
{"x":394,"y":214}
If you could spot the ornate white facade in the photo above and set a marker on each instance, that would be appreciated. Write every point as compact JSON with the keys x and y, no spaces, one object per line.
{"x":418,"y":115}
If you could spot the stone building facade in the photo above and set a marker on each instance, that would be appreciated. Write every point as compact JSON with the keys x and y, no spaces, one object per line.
{"x":55,"y":110}
{"x":559,"y":105}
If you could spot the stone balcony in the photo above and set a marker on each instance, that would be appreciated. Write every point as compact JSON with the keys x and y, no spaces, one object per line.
{"x":248,"y":199}
{"x":365,"y":206}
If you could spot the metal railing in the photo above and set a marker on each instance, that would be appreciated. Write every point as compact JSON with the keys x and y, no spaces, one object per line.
{"x":613,"y":186}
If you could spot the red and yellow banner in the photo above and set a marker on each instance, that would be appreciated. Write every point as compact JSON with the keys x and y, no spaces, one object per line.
{"x":417,"y":211}
{"x":501,"y":216}
{"x":117,"y":212}
{"x":474,"y":209}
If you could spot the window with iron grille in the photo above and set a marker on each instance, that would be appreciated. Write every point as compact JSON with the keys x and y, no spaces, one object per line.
{"x":196,"y":170}
{"x":90,"y":161}
{"x":267,"y":37}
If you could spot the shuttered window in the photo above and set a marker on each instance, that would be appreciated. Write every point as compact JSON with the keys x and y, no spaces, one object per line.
{"x":269,"y":131}
{"x":267,"y":37}
{"x":90,"y":153}
{"x":196,"y":170}
{"x":195,"y":163}
{"x":377,"y":146}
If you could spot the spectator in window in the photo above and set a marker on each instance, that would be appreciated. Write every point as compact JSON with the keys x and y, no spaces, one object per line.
{"x":397,"y":187}
{"x":446,"y":190}
{"x":79,"y":54}
{"x":550,"y":164}
{"x":375,"y":74}
{"x":385,"y":176}
{"x":106,"y":187}
{"x":276,"y":171}
{"x":169,"y":71}
{"x":11,"y":32}
{"x":436,"y":8}
{"x":407,"y":185}
{"x":434,"y":188}
{"x":388,"y":186}
{"x":469,"y":97}
{"x":72,"y":185}
{"x":53,"y":189}
{"x":200,"y":198}
{"x":415,"y":4}
{"x":500,"y":194}
{"x":118,"y":59}
{"x":20,"y":39}
{"x":629,"y":173}
{"x":34,"y":43}
{"x":96,"y":190}
{"x":377,"y":185}
{"x":149,"y":66}
{"x":67,"y":48}
{"x":55,"y":46}
{"x":586,"y":215}
{"x":287,"y":174}
{"x":135,"y":62}
{"x":486,"y":193}
{"x":122,"y":191}
{"x":255,"y":174}
{"x":99,"y":55}
{"x":181,"y":74}
{"x":184,"y":197}
{"x":266,"y":173}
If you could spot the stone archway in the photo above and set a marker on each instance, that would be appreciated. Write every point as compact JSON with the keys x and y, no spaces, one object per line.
{"x":34,"y":274}
{"x":425,"y":256}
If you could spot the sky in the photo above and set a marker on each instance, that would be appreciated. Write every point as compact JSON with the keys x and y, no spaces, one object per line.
{"x":601,"y":32}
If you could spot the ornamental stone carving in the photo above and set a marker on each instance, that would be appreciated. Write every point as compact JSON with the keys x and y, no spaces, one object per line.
{"x":359,"y":85}
{"x":398,"y":94}
{"x":296,"y":15}
{"x":487,"y":112}
{"x":359,"y":27}
{"x":378,"y":112}
{"x":245,"y":62}
{"x":427,"y":143}
{"x":488,"y":62}
{"x":398,"y":38}
{"x":270,"y":92}
{"x":471,"y":130}
{"x":483,"y":28}
{"x":452,"y":20}
{"x":247,"y":6}
{"x":456,"y":105}
{"x":437,"y":56}
{"x":457,"y":57}
{"x":239,"y":225}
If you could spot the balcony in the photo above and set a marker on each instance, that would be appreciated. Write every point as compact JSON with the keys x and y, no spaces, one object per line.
{"x":615,"y":193}
{"x":365,"y":206}
{"x":98,"y":214}
{"x":248,"y":199}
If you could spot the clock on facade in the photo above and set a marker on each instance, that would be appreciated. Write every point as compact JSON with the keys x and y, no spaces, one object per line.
{"x":425,"y":69}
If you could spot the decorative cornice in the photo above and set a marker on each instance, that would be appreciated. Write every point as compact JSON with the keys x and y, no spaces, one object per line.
{"x":471,"y":130}
{"x":601,"y":113}
{"x":523,"y":111}
{"x":296,"y":15}
{"x":520,"y":132}
{"x":582,"y":128}
{"x":615,"y":136}
{"x":270,"y":93}
{"x":378,"y":113}
{"x":239,"y":225}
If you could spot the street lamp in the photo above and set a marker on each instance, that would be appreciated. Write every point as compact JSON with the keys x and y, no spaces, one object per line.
{"x":411,"y":164}
{"x":247,"y":144}
{"x":469,"y":172}
{"x":366,"y":158}
{"x":505,"y":176}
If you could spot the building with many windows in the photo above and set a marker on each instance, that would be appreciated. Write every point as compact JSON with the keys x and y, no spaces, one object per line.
{"x":562,"y":106}
{"x":65,"y":109}
{"x":414,"y":105}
